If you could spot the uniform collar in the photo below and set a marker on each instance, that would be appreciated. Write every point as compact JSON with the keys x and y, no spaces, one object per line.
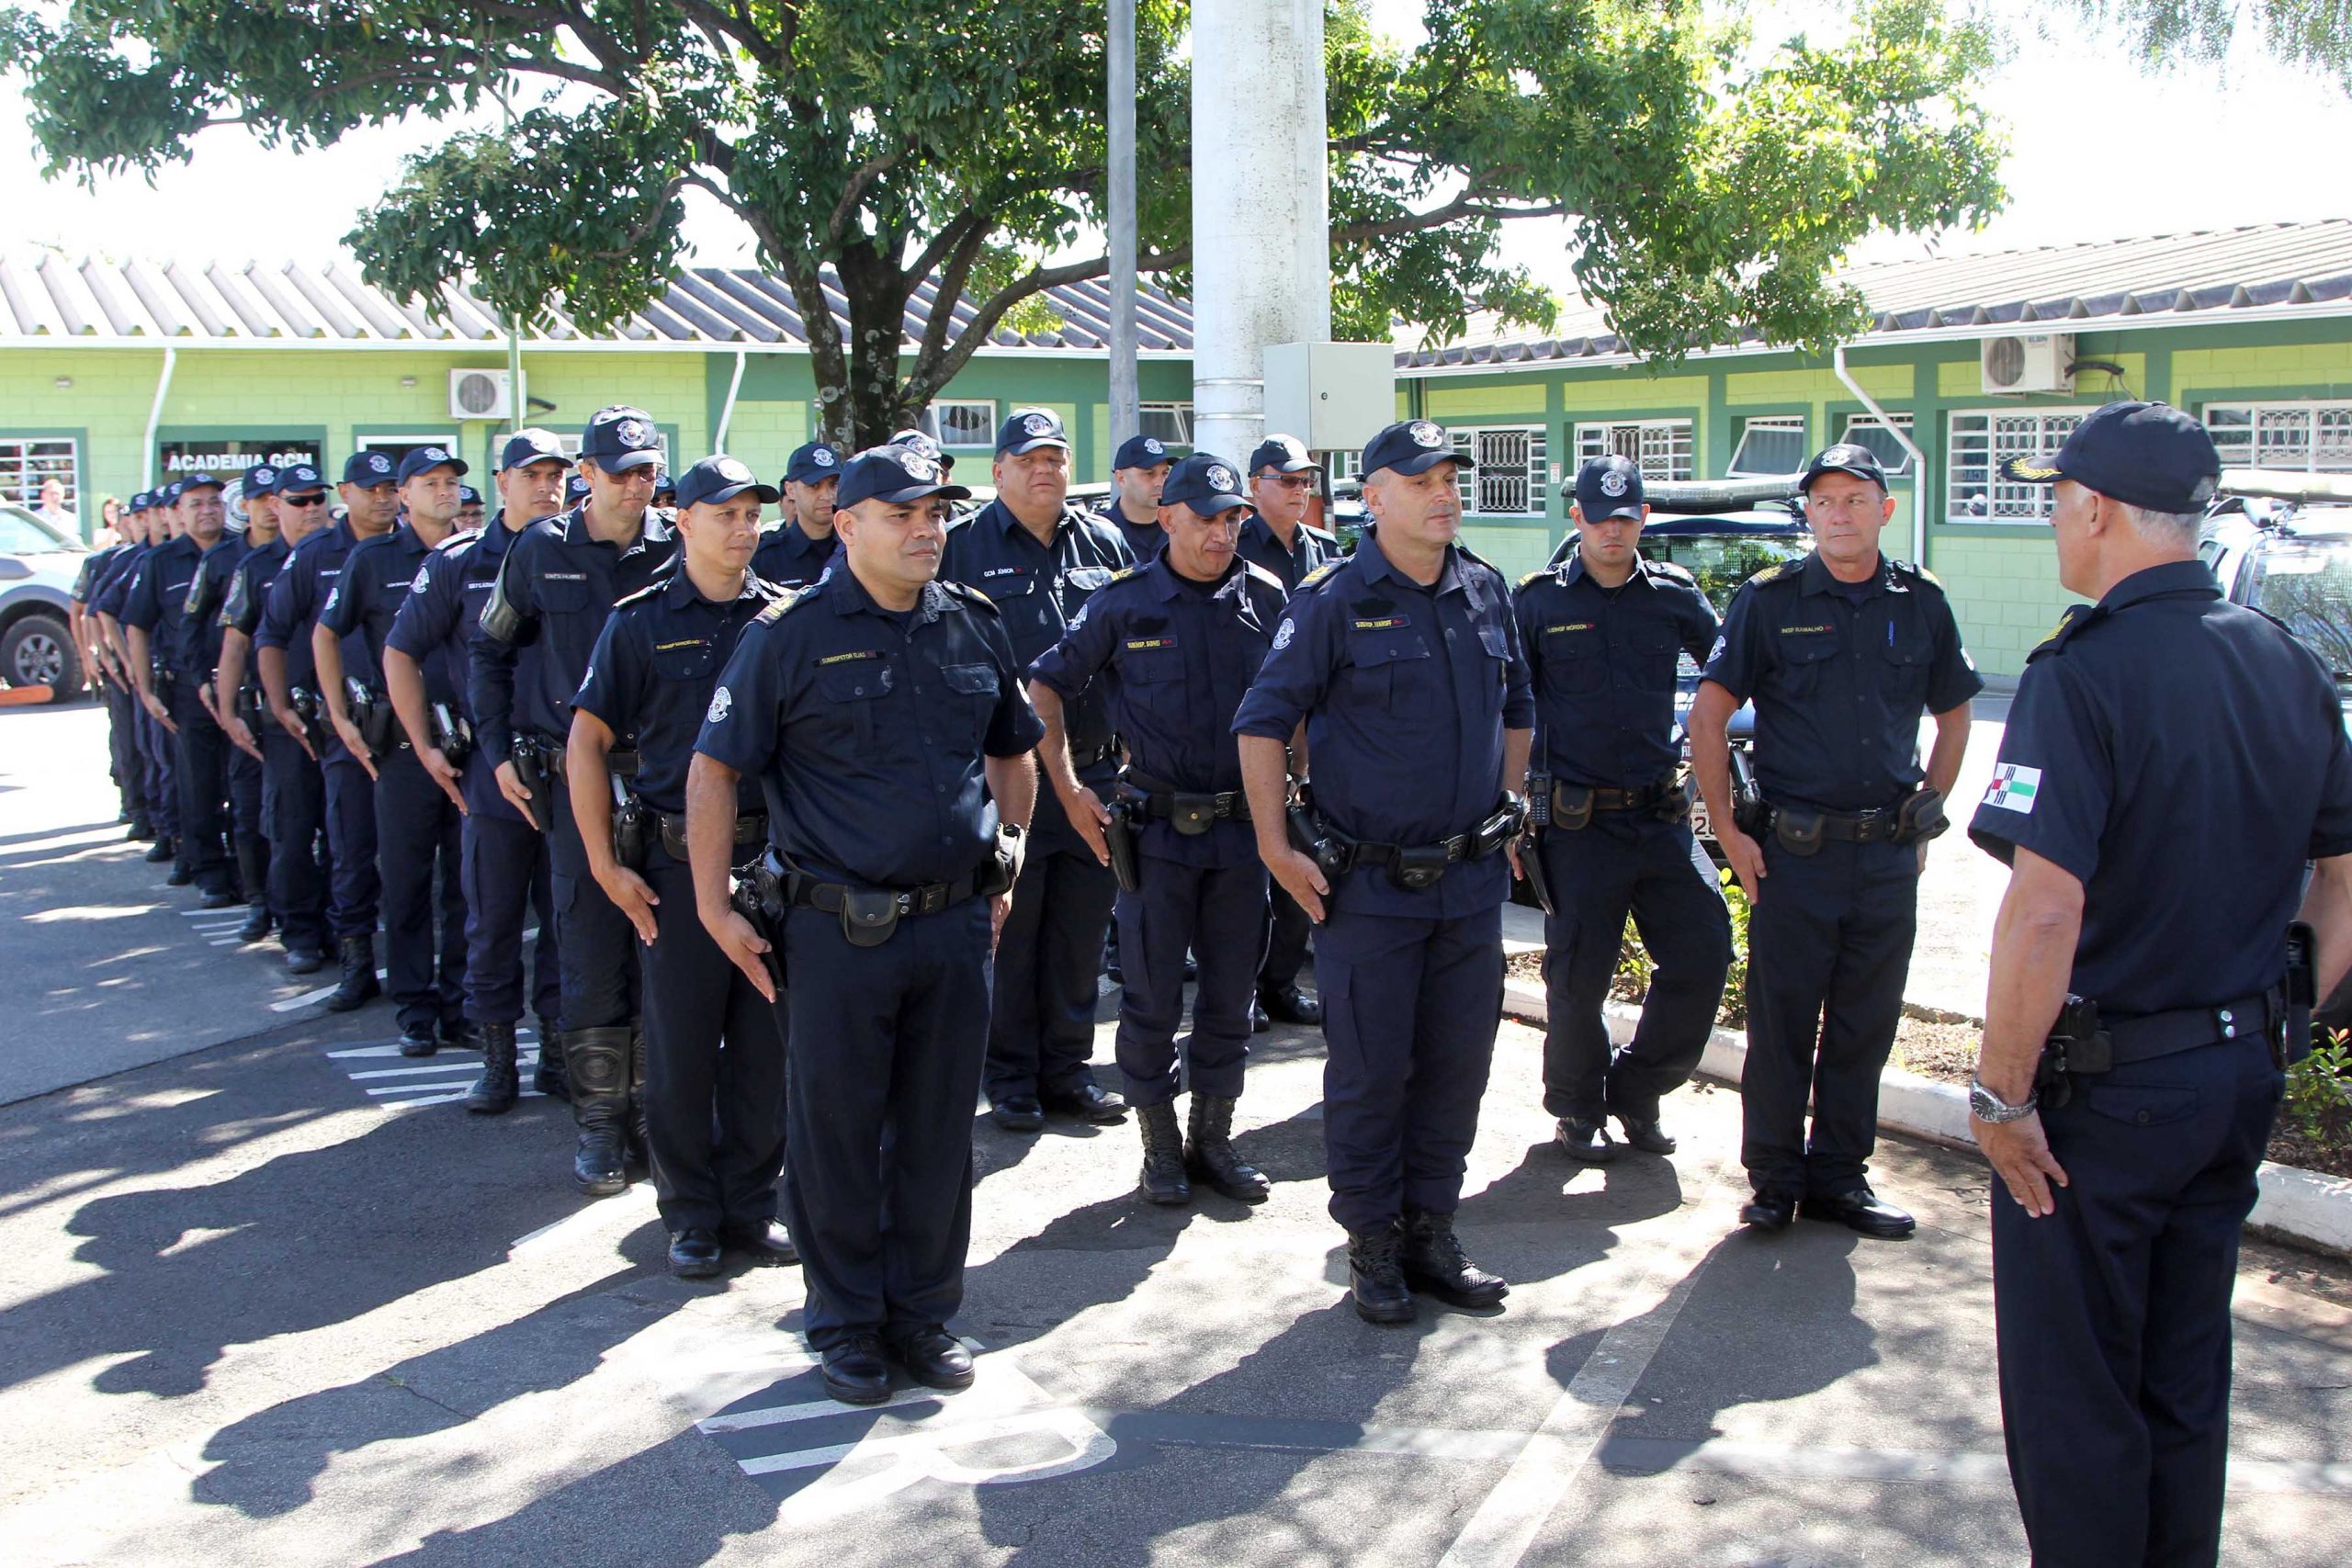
{"x":1377,"y":564}
{"x":680,"y":590}
{"x":2174,"y":577}
{"x":1167,"y":584}
{"x":848,"y":596}
{"x":1815,"y":578}
{"x":1009,"y":523}
{"x":574,"y":525}
{"x":1576,"y":573}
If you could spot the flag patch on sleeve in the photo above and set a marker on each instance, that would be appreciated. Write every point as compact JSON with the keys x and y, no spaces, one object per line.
{"x":2014,"y":788}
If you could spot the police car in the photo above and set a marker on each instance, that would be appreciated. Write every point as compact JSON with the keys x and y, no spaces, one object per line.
{"x":2281,"y":543}
{"x":37,"y":567}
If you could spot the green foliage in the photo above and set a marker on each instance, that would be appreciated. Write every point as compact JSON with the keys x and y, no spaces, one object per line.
{"x":1632,"y":981}
{"x":2319,"y":1093}
{"x":908,"y":144}
{"x":2315,"y":33}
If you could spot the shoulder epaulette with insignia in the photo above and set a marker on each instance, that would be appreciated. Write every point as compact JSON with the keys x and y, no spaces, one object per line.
{"x":1326,"y":534}
{"x":1257,"y":573}
{"x":1780,"y":571}
{"x":1125,"y":573}
{"x":2077,"y":618}
{"x":1671,"y":571}
{"x":966,"y":590}
{"x":1321,"y":573}
{"x":1921,"y":573}
{"x":1540,"y":571}
{"x":783,"y":606}
{"x":1466,"y":553}
{"x":649,"y":590}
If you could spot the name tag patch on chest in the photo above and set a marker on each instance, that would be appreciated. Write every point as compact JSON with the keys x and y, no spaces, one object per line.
{"x":1137,"y":644}
{"x":2014,"y":788}
{"x":565,"y":576}
{"x":1807,"y":631}
{"x":683,"y":642}
{"x":1384,"y":622}
{"x":1570,"y":626}
{"x":849,"y":657}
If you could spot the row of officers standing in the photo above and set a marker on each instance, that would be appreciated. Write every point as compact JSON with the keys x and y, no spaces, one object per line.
{"x":774,"y":798}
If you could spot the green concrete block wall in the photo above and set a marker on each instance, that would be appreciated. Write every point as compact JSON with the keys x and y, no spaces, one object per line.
{"x":2004,"y":593}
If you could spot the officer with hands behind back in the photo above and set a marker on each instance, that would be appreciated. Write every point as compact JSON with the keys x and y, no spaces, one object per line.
{"x":882,"y":712}
{"x":714,"y":1044}
{"x":1602,"y":632}
{"x":1175,"y":644}
{"x":1403,"y":663}
{"x":2171,"y":764}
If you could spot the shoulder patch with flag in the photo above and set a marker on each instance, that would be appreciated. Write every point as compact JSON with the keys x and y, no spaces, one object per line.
{"x":2014,"y":788}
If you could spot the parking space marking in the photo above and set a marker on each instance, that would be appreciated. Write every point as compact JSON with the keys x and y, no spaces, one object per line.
{"x":438,"y":1080}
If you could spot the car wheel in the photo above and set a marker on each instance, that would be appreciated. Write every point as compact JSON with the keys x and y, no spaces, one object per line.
{"x":38,"y":652}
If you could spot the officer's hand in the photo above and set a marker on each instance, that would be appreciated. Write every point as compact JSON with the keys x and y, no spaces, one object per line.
{"x":1302,"y":879}
{"x":1747,"y":857}
{"x":510,"y":784}
{"x":633,"y":896}
{"x":241,"y":736}
{"x":1511,"y":852}
{"x":436,"y":762}
{"x":999,"y":910}
{"x":204,"y":696}
{"x":354,"y":745}
{"x":743,"y":946}
{"x":1089,"y":817}
{"x":157,"y":711}
{"x":2019,"y":1150}
{"x":291,"y":722}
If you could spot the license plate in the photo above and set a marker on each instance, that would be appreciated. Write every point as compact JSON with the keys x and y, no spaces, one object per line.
{"x":1699,"y":818}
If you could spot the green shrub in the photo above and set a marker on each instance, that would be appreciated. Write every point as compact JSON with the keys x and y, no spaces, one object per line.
{"x":1632,"y":981}
{"x":2319,"y":1092}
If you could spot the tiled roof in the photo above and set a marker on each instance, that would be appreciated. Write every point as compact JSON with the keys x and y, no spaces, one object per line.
{"x":49,"y":299}
{"x":2223,"y":274}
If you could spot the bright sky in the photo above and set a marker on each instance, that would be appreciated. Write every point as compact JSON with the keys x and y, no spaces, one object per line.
{"x":2099,"y":150}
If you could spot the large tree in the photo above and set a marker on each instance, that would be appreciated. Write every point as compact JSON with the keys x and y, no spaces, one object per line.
{"x":956,"y":148}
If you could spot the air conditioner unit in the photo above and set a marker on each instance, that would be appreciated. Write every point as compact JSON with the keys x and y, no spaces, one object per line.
{"x":482,"y":394}
{"x":2036,"y":362}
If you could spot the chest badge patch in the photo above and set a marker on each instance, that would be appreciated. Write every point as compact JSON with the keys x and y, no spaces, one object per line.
{"x":2014,"y":788}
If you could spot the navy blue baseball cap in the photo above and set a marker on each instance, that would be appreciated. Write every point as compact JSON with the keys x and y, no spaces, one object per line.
{"x":1846,"y":457}
{"x":367,"y":469}
{"x":620,"y":438}
{"x":1029,"y":429}
{"x":300,"y":479}
{"x":468,"y":496}
{"x":529,"y":445}
{"x":1411,"y":447}
{"x":1206,"y":483}
{"x":814,"y":463}
{"x":261,"y":478}
{"x":141,"y":501}
{"x":1141,"y":452}
{"x":2145,"y":455}
{"x":197,"y":481}
{"x":664,"y":484}
{"x":916,"y":440}
{"x":714,"y":479}
{"x":1609,"y":486}
{"x":575,"y":488}
{"x":425,"y":459}
{"x":894,"y":474}
{"x":1283,"y":454}
{"x":168,"y":494}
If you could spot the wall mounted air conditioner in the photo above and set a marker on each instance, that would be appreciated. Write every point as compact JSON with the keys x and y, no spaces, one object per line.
{"x":482,"y":394}
{"x":2035,"y":362}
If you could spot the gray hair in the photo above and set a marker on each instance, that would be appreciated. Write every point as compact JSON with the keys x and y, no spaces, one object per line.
{"x":2174,"y":528}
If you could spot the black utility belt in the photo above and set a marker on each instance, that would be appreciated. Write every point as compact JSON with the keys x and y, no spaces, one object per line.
{"x":1104,"y":752}
{"x":869,"y":915}
{"x":549,"y":755}
{"x":1915,"y":819}
{"x":751,"y":828}
{"x":1410,"y":866}
{"x":2084,"y":1043}
{"x":1555,"y":803}
{"x":1189,"y":813}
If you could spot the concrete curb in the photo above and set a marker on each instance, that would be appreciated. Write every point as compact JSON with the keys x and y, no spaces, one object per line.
{"x":2301,"y":1207}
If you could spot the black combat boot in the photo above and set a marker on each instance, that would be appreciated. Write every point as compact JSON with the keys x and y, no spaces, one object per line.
{"x":1209,"y":1156}
{"x":252,"y":874}
{"x":596,"y":1063}
{"x":1163,"y":1155}
{"x":1434,"y":1263}
{"x":1375,"y":1278}
{"x":493,"y":1093}
{"x":359,"y":988}
{"x":641,"y":1135}
{"x":548,"y":1077}
{"x":162,"y":850}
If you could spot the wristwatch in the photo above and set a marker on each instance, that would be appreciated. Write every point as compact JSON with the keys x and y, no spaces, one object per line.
{"x":1986,"y":1105}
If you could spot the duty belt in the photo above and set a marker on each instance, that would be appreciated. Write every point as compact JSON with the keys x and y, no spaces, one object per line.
{"x":1641,"y":799}
{"x":1460,"y":847}
{"x":620,"y":762}
{"x":1850,"y":827}
{"x":2185,"y":1029}
{"x":749,"y":828}
{"x":1079,"y":759}
{"x":1191,"y":813}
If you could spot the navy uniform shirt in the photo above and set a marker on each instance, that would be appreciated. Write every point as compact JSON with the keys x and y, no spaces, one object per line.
{"x":868,"y":730}
{"x":1145,"y":540}
{"x":248,"y":590}
{"x":94,"y":571}
{"x":200,"y":623}
{"x":1839,"y":680}
{"x":436,"y":621}
{"x":112,"y":592}
{"x":788,"y":558}
{"x":1310,"y":548}
{"x":297,"y":595}
{"x":563,"y":581}
{"x":1604,"y":663}
{"x":157,"y":603}
{"x":654,"y":670}
{"x":1040,"y":589}
{"x":1405,"y":690}
{"x":376,"y":580}
{"x":2183,"y":757}
{"x":1173,"y":658}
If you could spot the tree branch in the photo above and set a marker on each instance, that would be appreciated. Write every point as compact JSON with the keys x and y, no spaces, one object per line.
{"x":862,"y":176}
{"x":638,"y":235}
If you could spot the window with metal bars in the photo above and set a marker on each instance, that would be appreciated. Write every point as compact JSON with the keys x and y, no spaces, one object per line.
{"x":1979,"y":440}
{"x":1661,"y":449}
{"x":1509,"y":479}
{"x":2309,"y":438}
{"x":28,"y":462}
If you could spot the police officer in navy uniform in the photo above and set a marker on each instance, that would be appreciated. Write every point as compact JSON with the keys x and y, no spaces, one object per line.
{"x":1602,"y":632}
{"x":1278,"y":537}
{"x":167,"y":642}
{"x":797,"y":550}
{"x":1841,"y":650}
{"x":293,"y":792}
{"x":1174,"y":644}
{"x":218,"y":575}
{"x":554,"y":590}
{"x":416,"y":821}
{"x":502,"y":857}
{"x":122,"y":724}
{"x":152,"y":740}
{"x":882,"y":711}
{"x":1039,"y":559}
{"x":1137,"y":471}
{"x":1403,"y":663}
{"x":470,"y":510}
{"x":2171,"y":764}
{"x":288,"y":648}
{"x":714,"y":1044}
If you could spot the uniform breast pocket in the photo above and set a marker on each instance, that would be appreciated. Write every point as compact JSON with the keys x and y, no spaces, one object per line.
{"x":686,"y":662}
{"x":1653,"y":649}
{"x":1572,"y":663}
{"x":1149,"y":667}
{"x":1908,"y":654}
{"x":1807,"y":659}
{"x":562,"y":595}
{"x":849,"y":697}
{"x":1384,"y":665}
{"x":974,"y":690}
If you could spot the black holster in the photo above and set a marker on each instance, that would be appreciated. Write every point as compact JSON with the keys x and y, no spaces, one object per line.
{"x":312,"y":712}
{"x":1119,"y":839}
{"x":1332,"y":852}
{"x":2290,"y":1041}
{"x":529,"y":756}
{"x":370,"y":713}
{"x":1003,"y":868}
{"x":1921,"y":817}
{"x":1531,"y":868}
{"x":247,"y":703}
{"x":756,"y":895}
{"x":1674,"y":800}
{"x":2078,"y":1044}
{"x":628,"y":827}
{"x":450,"y":734}
{"x":1748,"y":812}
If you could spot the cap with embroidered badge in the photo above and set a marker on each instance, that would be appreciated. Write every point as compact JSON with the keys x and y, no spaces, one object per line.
{"x":894,"y":474}
{"x":367,"y":469}
{"x":1412,"y":447}
{"x":1609,"y":486}
{"x":1141,"y":452}
{"x":1206,"y":483}
{"x":197,"y":480}
{"x":425,"y":459}
{"x":1845,"y":458}
{"x":916,"y":440}
{"x":722,"y":479}
{"x":813,"y":464}
{"x":620,"y":438}
{"x":299,"y":478}
{"x":468,"y":496}
{"x":575,"y":487}
{"x":529,"y":446}
{"x":261,"y":478}
{"x":168,"y":494}
{"x":139,"y":500}
{"x":1029,"y":429}
{"x":1283,"y":454}
{"x":2145,"y":455}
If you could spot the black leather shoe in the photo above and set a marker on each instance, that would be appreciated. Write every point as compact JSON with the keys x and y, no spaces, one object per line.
{"x":935,"y":1359}
{"x":1259,"y":1021}
{"x":1434,"y":1264}
{"x":1764,"y":1212}
{"x":1864,"y":1212}
{"x":302,"y":960}
{"x":1648,"y":1136}
{"x":1018,"y":1113}
{"x":420,"y":1039}
{"x":1163,"y":1181}
{"x":1588,"y":1142}
{"x":769,"y":1246}
{"x":181,"y":877}
{"x":257,"y":926}
{"x":1288,"y":1004}
{"x":1115,"y":974}
{"x":1376,"y":1279}
{"x":142,"y":831}
{"x":219,"y":899}
{"x":855,"y":1371}
{"x":693,"y":1254}
{"x":1089,"y":1102}
{"x":162,"y":850}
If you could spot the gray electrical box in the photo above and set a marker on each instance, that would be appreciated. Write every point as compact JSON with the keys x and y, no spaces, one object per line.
{"x":1333,"y":396}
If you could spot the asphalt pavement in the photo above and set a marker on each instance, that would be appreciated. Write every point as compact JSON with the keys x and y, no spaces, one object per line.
{"x":267,"y":1297}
